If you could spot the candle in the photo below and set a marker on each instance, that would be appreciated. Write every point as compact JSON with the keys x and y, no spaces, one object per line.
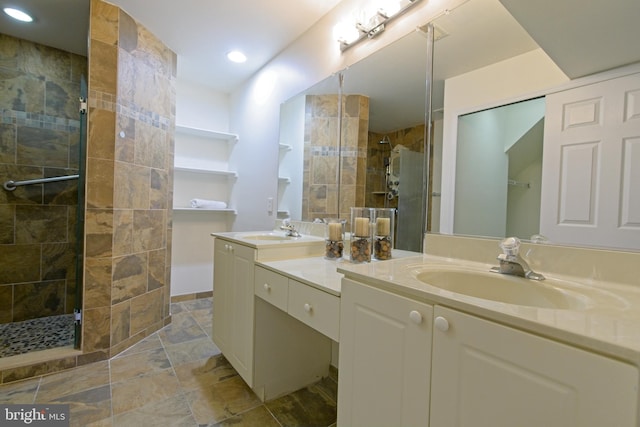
{"x":335,"y":231}
{"x":362,"y":227}
{"x":383,"y":226}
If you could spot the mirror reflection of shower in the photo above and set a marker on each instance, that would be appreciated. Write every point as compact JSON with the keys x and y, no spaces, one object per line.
{"x":392,"y":170}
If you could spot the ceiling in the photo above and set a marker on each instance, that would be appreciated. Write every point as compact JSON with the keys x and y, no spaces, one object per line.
{"x":201,"y":32}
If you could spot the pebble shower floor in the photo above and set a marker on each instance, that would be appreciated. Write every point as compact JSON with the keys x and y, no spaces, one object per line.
{"x":36,"y":334}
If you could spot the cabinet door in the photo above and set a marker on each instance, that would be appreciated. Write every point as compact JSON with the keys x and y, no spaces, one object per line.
{"x":385,"y":352}
{"x":222,"y":296}
{"x":233,"y":305}
{"x":490,"y":375}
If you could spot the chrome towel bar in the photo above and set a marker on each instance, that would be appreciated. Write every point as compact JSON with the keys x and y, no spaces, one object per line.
{"x":11,"y":185}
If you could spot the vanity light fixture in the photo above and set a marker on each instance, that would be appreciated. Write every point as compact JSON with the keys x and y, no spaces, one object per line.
{"x":236,"y":56}
{"x":349,"y":35}
{"x":18,"y":14}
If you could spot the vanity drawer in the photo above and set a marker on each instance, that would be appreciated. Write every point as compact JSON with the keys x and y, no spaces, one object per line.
{"x":318,"y":309}
{"x":271,"y":287}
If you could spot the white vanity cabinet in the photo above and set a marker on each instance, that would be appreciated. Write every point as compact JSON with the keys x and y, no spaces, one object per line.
{"x":233,"y":304}
{"x":385,"y":358}
{"x":485,"y":374}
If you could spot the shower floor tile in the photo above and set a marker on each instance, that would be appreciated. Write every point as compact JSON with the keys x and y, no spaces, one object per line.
{"x":36,"y":334}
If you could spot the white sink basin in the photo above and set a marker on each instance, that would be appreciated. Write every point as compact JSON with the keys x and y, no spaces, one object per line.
{"x":504,"y":288}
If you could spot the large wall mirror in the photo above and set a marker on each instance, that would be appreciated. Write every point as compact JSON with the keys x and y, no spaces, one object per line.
{"x":489,"y":159}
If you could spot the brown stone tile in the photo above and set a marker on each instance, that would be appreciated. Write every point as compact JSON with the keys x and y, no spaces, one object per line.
{"x":156,"y":270}
{"x":51,"y":366}
{"x":148,"y":230}
{"x":204,"y":373}
{"x":125,"y":145}
{"x":122,"y":232}
{"x":96,"y":356}
{"x":34,"y":300}
{"x":132,"y":184}
{"x":102,"y":135}
{"x":118,"y":348}
{"x":99,"y":232}
{"x":43,"y":147}
{"x":148,"y":310}
{"x":173,"y":411}
{"x":7,"y":142}
{"x":97,"y":282}
{"x":96,"y":329}
{"x":221,"y":401}
{"x":120,"y":322}
{"x":41,"y":224}
{"x":58,"y":260}
{"x":159,"y":190}
{"x":104,"y":22}
{"x":25,"y":91}
{"x":7,"y":224}
{"x":24,"y":195}
{"x":103,"y":59}
{"x":53,"y":387}
{"x":62,"y":192}
{"x":125,"y":367}
{"x":100,"y":182}
{"x":20,"y":263}
{"x":19,"y":392}
{"x":6,"y":303}
{"x":257,"y":417}
{"x":129,"y":277}
{"x":61,"y":95}
{"x":144,"y":389}
{"x":306,"y":407}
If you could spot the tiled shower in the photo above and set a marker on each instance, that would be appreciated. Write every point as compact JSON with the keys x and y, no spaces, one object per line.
{"x":39,"y":138}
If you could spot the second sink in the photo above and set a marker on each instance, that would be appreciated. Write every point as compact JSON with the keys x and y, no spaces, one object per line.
{"x":503,"y":288}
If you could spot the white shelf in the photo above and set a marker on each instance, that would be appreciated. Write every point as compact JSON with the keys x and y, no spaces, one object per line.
{"x":203,"y":133}
{"x":285,"y":147}
{"x":206,"y":171}
{"x":284,"y":180}
{"x":187,"y":209}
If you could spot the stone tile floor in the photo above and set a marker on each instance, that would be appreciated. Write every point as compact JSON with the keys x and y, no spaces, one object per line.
{"x":174,"y":377}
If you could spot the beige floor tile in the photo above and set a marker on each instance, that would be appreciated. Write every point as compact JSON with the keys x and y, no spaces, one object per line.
{"x":142,"y":390}
{"x":190,"y":351}
{"x":182,"y":328}
{"x":73,"y":381}
{"x":306,"y":407}
{"x":221,"y":401}
{"x":203,"y":374}
{"x":19,"y":392}
{"x":258,"y":417}
{"x":151,"y":342}
{"x":87,"y":406}
{"x":171,"y":412}
{"x":127,"y":367}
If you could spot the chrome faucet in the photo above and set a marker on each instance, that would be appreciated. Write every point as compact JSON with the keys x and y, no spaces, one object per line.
{"x":512,"y":263}
{"x":290,"y":228}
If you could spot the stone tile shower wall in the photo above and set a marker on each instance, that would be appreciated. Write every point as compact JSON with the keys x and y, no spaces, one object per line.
{"x":39,"y":138}
{"x":322,"y":156}
{"x":129,"y":182}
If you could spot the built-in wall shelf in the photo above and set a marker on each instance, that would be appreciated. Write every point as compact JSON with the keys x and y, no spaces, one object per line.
{"x":285,"y":147}
{"x":206,"y":171}
{"x":284,"y":180}
{"x":209,"y":134}
{"x":188,"y":209}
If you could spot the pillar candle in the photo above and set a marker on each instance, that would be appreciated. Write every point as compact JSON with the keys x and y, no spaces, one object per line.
{"x":362,"y":227}
{"x":383,"y":226}
{"x":335,"y":231}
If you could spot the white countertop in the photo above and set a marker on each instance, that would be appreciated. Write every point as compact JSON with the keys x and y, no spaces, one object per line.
{"x":276,"y":238}
{"x":609,"y":322}
{"x":319,"y":272}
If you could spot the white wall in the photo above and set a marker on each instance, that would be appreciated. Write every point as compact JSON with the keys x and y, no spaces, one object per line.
{"x":192,"y":245}
{"x":310,"y":59}
{"x":525,"y":76}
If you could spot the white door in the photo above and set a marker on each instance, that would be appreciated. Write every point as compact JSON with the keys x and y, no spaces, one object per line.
{"x":488,"y":375}
{"x":385,"y":359}
{"x":591,"y":165}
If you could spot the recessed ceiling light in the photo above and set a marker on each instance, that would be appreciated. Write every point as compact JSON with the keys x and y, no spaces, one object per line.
{"x":17,"y":14}
{"x":236,"y":56}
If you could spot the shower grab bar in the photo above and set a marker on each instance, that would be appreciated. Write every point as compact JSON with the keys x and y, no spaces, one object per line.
{"x":11,"y":185}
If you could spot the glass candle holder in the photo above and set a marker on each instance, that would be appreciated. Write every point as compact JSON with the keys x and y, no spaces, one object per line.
{"x":334,"y":238}
{"x":361,"y":226}
{"x":383,"y":233}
